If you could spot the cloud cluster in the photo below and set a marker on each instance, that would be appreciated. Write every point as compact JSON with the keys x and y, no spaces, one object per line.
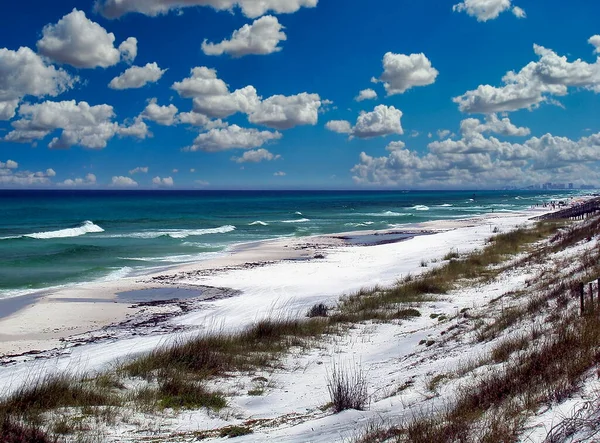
{"x":403,"y":72}
{"x":120,"y":181}
{"x":256,"y":156}
{"x":260,"y":38}
{"x":536,"y":83}
{"x":232,"y":137}
{"x":88,"y":180}
{"x":383,"y":120}
{"x":10,"y":175}
{"x":24,"y":73}
{"x":80,"y":42}
{"x":212,"y":98}
{"x":485,"y":10}
{"x":139,"y":170}
{"x":81,"y":124}
{"x":250,"y":8}
{"x":137,"y":77}
{"x":475,"y":159}
{"x":166,"y":181}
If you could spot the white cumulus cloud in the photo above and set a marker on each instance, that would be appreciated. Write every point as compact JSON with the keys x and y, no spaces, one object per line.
{"x":128,"y":50}
{"x":11,"y":176}
{"x":595,"y":41}
{"x":484,"y":160}
{"x":88,"y":180}
{"x":256,"y":156}
{"x":402,"y":72}
{"x":250,"y":8}
{"x":232,"y":137}
{"x":200,"y":120}
{"x":285,"y":112}
{"x":24,"y":73}
{"x":137,"y":77}
{"x":138,"y":129}
{"x":81,"y":124}
{"x":260,"y":38}
{"x":123,"y":182}
{"x":484,"y":10}
{"x":519,"y":12}
{"x":80,"y":42}
{"x":339,"y":126}
{"x":166,"y":181}
{"x":9,"y":164}
{"x":211,"y":95}
{"x":139,"y":170}
{"x":534,"y":84}
{"x":366,"y":94}
{"x":212,"y":98}
{"x":383,"y":120}
{"x":163,"y":115}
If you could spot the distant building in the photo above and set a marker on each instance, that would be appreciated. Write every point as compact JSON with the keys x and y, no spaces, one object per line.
{"x":570,"y":185}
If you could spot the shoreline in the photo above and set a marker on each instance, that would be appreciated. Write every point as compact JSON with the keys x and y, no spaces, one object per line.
{"x":55,"y":320}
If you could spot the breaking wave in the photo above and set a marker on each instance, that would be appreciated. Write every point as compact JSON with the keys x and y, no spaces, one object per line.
{"x":387,"y":214}
{"x":176,"y":233}
{"x":300,"y":220}
{"x":85,"y":228}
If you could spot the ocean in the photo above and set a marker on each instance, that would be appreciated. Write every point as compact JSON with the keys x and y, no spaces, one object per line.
{"x":54,"y":238}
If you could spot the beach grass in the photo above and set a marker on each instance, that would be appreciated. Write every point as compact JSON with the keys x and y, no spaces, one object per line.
{"x":51,"y":392}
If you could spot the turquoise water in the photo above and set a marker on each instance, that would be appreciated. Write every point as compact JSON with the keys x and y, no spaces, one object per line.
{"x":50,"y":238}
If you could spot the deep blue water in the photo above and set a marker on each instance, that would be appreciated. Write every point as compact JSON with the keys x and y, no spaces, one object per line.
{"x":50,"y":238}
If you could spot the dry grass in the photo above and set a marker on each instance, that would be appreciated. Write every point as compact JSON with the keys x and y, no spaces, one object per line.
{"x":347,"y":388}
{"x":214,"y":354}
{"x":17,"y":432}
{"x":176,"y":391}
{"x":51,"y":392}
{"x":318,"y":310}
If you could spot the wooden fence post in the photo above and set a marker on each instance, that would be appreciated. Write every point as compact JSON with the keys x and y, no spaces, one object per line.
{"x":581,"y":300}
{"x":598,"y":292}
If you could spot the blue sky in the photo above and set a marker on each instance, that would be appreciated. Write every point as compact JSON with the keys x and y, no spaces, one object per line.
{"x":239,"y":94}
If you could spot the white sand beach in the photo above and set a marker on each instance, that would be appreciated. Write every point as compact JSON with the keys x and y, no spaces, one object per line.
{"x":273,"y":279}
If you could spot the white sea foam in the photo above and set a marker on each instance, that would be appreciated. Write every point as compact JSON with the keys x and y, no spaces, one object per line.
{"x":85,"y":228}
{"x":387,"y":214}
{"x":357,"y":225}
{"x":176,"y":233}
{"x":258,"y":222}
{"x":420,"y":208}
{"x":182,"y":258}
{"x":300,"y":220}
{"x":445,"y":205}
{"x":117,"y":274}
{"x":298,"y":213}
